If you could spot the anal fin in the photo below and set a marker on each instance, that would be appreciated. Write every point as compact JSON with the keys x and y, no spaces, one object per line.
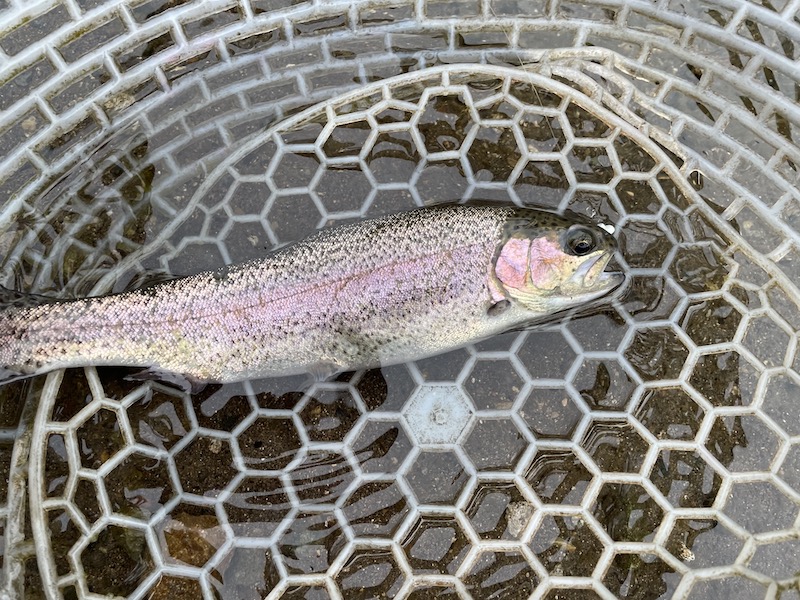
{"x":183,"y":382}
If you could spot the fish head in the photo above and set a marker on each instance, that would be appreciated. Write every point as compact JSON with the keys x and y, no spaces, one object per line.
{"x":551,"y":263}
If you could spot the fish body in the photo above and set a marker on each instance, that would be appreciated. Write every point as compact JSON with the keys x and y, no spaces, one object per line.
{"x":376,"y":292}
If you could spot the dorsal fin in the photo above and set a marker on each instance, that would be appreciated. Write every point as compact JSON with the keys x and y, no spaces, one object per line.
{"x":13,"y":298}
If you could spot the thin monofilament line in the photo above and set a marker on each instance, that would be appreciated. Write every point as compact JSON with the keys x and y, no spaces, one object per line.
{"x":508,"y":31}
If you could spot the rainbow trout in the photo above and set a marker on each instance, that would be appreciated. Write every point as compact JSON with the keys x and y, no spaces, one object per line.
{"x":376,"y":292}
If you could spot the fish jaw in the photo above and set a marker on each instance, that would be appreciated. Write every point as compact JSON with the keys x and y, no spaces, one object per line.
{"x":590,"y":280}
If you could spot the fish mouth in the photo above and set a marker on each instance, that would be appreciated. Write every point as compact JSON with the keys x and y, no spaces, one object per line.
{"x":591,"y":275}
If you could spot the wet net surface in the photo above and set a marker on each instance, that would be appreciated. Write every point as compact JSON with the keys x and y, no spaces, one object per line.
{"x":647,"y":451}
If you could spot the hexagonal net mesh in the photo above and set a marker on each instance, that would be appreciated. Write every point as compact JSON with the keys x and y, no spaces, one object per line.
{"x":649,"y":450}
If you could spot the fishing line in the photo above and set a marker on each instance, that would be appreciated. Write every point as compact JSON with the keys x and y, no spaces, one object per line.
{"x":513,"y":47}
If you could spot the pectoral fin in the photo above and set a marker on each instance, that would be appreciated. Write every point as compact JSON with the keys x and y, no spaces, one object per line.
{"x":498,"y":308}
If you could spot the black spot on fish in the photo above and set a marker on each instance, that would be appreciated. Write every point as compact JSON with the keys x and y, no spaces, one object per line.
{"x":498,"y":308}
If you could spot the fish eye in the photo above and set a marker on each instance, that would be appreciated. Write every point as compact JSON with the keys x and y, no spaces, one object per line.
{"x":580,"y":241}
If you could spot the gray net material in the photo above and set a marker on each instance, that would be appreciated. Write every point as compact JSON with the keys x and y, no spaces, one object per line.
{"x":651,"y":450}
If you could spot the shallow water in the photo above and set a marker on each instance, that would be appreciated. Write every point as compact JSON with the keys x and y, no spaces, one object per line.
{"x":646,"y":450}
